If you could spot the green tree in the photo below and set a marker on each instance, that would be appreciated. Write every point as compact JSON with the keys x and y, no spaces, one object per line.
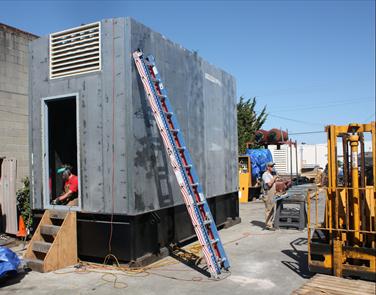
{"x":249,"y":122}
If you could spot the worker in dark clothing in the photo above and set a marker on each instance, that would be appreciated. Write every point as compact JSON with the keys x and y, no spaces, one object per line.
{"x":70,"y":195}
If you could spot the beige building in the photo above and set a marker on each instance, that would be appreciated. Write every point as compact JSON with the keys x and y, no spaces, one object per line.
{"x":14,"y":97}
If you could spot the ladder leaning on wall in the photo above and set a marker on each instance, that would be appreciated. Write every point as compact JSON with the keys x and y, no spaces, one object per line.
{"x":194,"y":199}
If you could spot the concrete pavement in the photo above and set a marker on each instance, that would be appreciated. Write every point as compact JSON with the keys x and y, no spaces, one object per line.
{"x":262,"y":262}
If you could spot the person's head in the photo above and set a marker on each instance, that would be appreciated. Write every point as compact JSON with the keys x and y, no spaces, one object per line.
{"x":66,"y":171}
{"x":270,"y":166}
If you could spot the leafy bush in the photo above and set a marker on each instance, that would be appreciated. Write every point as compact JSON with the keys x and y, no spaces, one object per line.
{"x":23,"y":202}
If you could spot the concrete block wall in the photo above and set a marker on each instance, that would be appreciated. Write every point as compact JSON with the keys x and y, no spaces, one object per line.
{"x":14,"y":97}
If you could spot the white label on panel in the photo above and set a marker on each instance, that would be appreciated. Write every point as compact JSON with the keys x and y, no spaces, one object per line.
{"x":212,"y":79}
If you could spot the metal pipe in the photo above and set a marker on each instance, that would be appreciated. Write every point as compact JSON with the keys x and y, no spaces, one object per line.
{"x":332,"y":170}
{"x":315,"y":154}
{"x":290,"y":145}
{"x":373,"y":132}
{"x":317,"y":208}
{"x":345,"y":230}
{"x":354,"y":140}
{"x":336,"y":208}
{"x":362,"y":162}
{"x":301,"y":155}
{"x":345,"y":162}
{"x":309,"y":225}
{"x":345,"y":153}
{"x":296,"y":158}
{"x":363,"y":192}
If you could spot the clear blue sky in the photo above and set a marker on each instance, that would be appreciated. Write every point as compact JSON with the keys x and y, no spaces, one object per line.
{"x":311,"y":62}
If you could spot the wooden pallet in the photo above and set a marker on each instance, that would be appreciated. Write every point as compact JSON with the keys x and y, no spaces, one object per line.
{"x":54,"y":243}
{"x":323,"y":284}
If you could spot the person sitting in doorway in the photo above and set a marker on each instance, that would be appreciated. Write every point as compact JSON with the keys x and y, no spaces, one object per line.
{"x":70,"y":195}
{"x":269,"y":187}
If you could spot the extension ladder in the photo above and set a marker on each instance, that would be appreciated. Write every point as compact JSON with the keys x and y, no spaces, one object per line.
{"x":195,"y":201}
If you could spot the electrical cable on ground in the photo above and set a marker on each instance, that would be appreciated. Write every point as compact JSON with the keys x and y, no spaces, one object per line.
{"x":116,"y":271}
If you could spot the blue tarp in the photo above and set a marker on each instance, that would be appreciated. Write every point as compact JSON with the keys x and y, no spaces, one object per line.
{"x":259,"y":159}
{"x":9,"y":262}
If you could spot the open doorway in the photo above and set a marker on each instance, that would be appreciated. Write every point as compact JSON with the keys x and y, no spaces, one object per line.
{"x":61,"y":152}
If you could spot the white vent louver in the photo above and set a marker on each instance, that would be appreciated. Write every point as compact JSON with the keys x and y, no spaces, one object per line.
{"x":280,"y":159}
{"x":75,"y":51}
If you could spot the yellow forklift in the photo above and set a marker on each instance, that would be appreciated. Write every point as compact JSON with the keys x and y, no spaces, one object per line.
{"x":342,"y":241}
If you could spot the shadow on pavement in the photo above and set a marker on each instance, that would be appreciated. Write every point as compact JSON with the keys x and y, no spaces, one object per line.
{"x":300,"y":265}
{"x":12,"y":279}
{"x":258,"y":223}
{"x":189,"y":259}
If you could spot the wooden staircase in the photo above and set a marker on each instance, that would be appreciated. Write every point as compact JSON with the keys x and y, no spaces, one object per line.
{"x":54,"y":244}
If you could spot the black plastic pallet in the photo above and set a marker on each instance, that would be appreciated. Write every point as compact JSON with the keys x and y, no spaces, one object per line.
{"x":291,"y":217}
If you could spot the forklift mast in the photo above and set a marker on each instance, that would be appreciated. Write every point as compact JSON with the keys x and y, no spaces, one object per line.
{"x":343,"y":243}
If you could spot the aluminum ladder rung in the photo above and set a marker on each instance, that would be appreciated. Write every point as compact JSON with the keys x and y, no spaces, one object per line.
{"x":149,"y":63}
{"x":208,"y":221}
{"x":214,"y":241}
{"x":162,"y":97}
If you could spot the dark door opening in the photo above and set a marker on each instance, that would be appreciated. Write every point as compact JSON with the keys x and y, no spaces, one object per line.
{"x":61,"y":143}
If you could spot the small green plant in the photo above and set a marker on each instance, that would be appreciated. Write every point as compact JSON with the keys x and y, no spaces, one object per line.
{"x":23,"y":202}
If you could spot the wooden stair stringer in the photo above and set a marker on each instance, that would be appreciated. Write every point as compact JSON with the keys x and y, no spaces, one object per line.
{"x":63,"y":251}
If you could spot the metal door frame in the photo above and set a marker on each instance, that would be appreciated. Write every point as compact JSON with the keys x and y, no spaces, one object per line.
{"x":45,"y":152}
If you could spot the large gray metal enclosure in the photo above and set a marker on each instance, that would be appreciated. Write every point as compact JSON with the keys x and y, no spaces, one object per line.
{"x":121,"y":162}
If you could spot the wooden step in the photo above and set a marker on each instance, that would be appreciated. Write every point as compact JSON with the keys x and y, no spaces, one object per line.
{"x":55,"y":214}
{"x":48,"y":229}
{"x":54,"y":243}
{"x":35,"y":264}
{"x":41,"y":247}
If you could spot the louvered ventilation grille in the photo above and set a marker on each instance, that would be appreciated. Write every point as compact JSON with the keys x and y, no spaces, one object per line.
{"x":280,"y":159}
{"x":75,"y":51}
